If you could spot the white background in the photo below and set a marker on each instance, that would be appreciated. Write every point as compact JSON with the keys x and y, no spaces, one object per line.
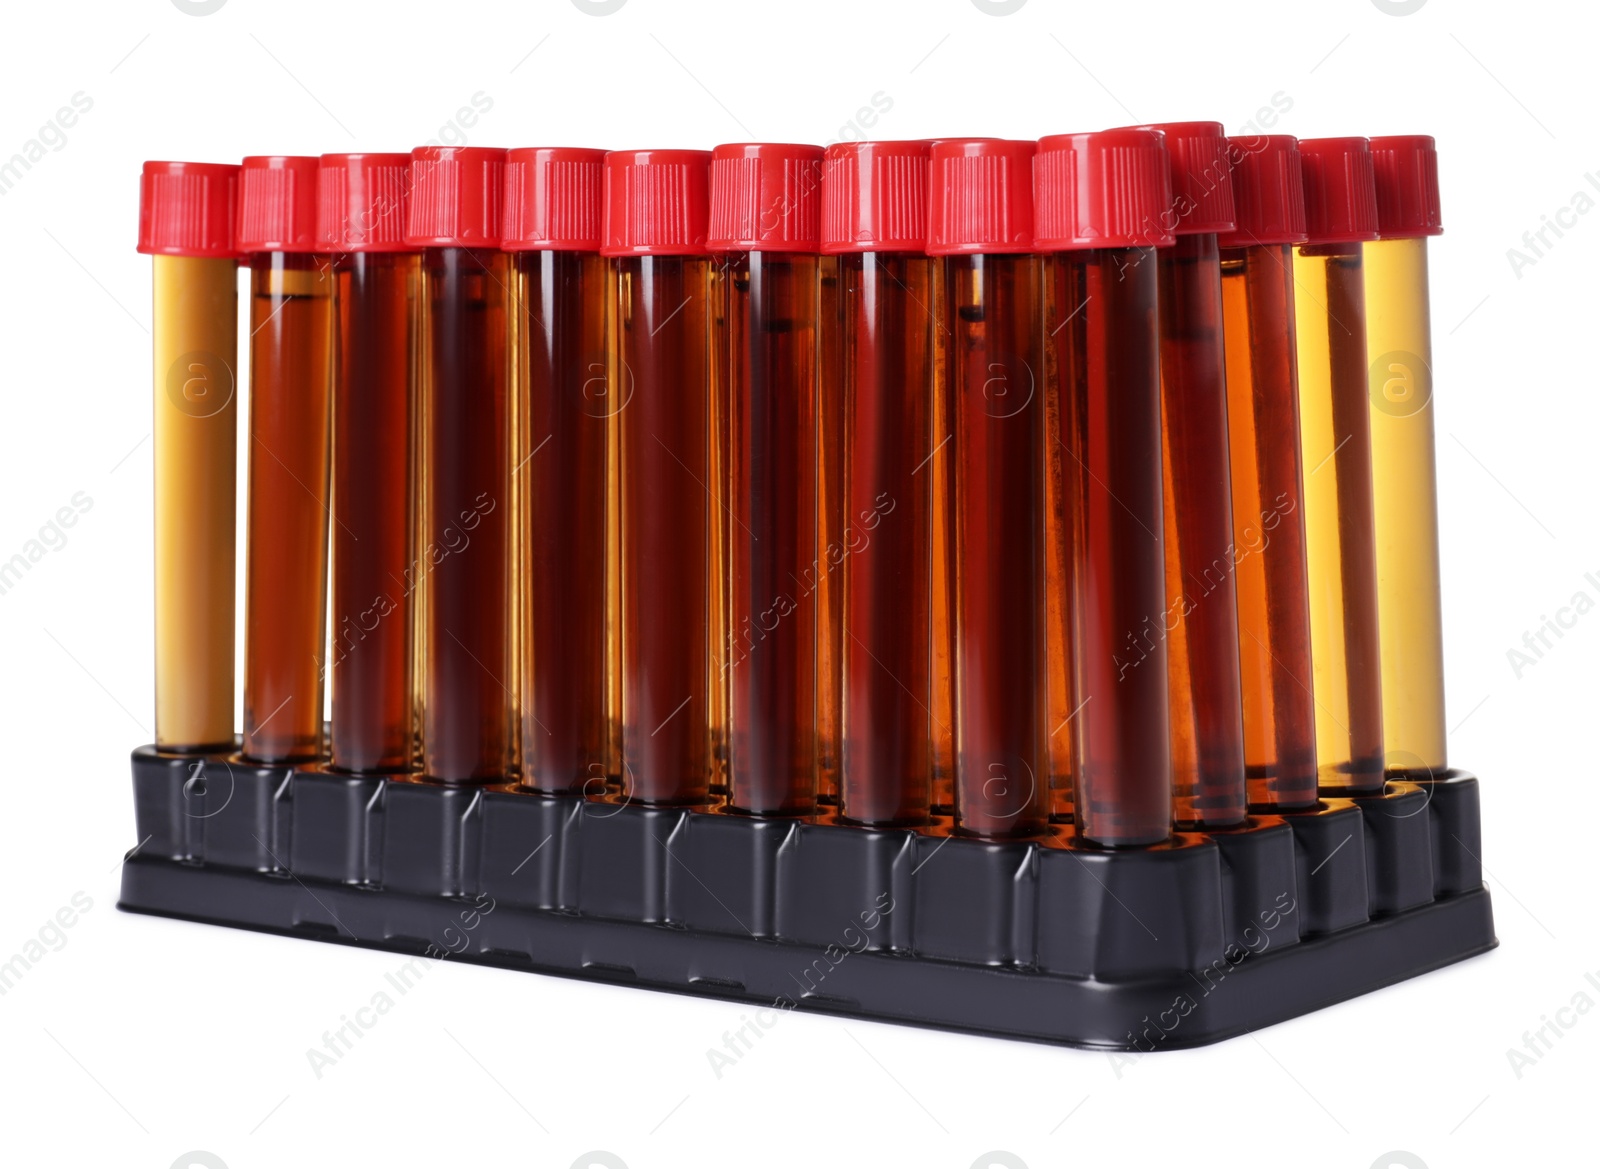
{"x":140,"y":1039}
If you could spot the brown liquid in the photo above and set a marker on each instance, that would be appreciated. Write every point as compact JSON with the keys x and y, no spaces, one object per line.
{"x":1268,"y":515}
{"x":562,"y":507}
{"x":464,"y":559}
{"x":886,"y":538}
{"x":994,"y":368}
{"x":830,"y":527}
{"x":373,"y":391}
{"x":768,"y":342}
{"x":1104,"y":350}
{"x":286,"y":566}
{"x":661,"y":379}
{"x":1205,"y":713}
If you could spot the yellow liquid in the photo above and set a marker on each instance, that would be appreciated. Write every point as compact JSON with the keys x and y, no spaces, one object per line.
{"x":1405,"y":495}
{"x":196,"y":427}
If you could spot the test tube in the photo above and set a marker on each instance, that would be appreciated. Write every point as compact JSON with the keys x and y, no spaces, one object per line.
{"x":552,"y":229}
{"x":1102,"y":202}
{"x":1336,"y":462}
{"x":874,"y":224}
{"x":187,"y":219}
{"x":1258,"y":310}
{"x":286,"y":559}
{"x":764,"y":229}
{"x":654,"y":232}
{"x":361,"y":225}
{"x":466,"y":475}
{"x":1206,"y":717}
{"x":980,"y":225}
{"x":1405,"y":494}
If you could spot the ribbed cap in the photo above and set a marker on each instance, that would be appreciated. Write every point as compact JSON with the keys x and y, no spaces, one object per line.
{"x":552,"y":199}
{"x":188,"y":209}
{"x":361,"y":202}
{"x":278,"y":203}
{"x":765,"y":196}
{"x":875,"y":197}
{"x":1405,"y":172}
{"x":1341,"y":205}
{"x":455,"y":197}
{"x":1110,"y":189}
{"x":1202,"y":187}
{"x":980,"y":196}
{"x":655,"y":203}
{"x":1269,"y":203}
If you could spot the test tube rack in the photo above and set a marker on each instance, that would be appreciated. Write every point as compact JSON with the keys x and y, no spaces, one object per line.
{"x":1177,"y":945}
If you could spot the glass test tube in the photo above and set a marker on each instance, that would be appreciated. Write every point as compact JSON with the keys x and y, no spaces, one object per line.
{"x":466,"y":696}
{"x":552,"y":225}
{"x":989,"y":301}
{"x":187,"y":213}
{"x":885,"y":384}
{"x":1405,"y":492}
{"x":1101,"y":320}
{"x":765,"y":200}
{"x":1205,"y":716}
{"x":375,"y":275}
{"x":654,"y":231}
{"x":1258,"y":309}
{"x":1336,"y":461}
{"x":286,"y":560}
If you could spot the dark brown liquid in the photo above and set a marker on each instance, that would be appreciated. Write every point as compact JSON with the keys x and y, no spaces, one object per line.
{"x":463,"y":561}
{"x":1104,"y":349}
{"x":886,"y":538}
{"x":661,"y":380}
{"x":830,"y":527}
{"x":995,"y":365}
{"x":286,"y":566}
{"x":1264,"y":434}
{"x":769,"y":346}
{"x":562,"y":471}
{"x":1205,"y":714}
{"x":373,"y":721}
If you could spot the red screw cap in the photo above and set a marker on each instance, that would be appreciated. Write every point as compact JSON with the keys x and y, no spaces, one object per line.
{"x":188,"y":209}
{"x":980,"y":196}
{"x":1405,"y":172}
{"x":1202,"y":184}
{"x":278,"y":203}
{"x":362,"y":201}
{"x":875,"y":197}
{"x":656,"y":203}
{"x":455,"y":197}
{"x":765,"y":196}
{"x":1341,"y":205}
{"x":552,"y":199}
{"x":1269,"y":202}
{"x":1111,"y":189}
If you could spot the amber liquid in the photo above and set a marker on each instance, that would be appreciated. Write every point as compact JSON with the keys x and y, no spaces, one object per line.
{"x":830,"y":526}
{"x":1104,"y":347}
{"x":661,"y":378}
{"x":464,"y":559}
{"x":196,"y":327}
{"x":561,"y":480}
{"x":1268,"y":519}
{"x":370,"y":601}
{"x":286,"y":565}
{"x":886,"y":538}
{"x":1205,"y":714}
{"x":994,"y":367}
{"x":768,"y":347}
{"x":1336,"y":457}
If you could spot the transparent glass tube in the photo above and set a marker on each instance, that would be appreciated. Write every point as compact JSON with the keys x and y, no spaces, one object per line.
{"x":1336,"y":460}
{"x":286,"y":560}
{"x":195,"y":322}
{"x":1405,"y":505}
{"x":1280,"y":733}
